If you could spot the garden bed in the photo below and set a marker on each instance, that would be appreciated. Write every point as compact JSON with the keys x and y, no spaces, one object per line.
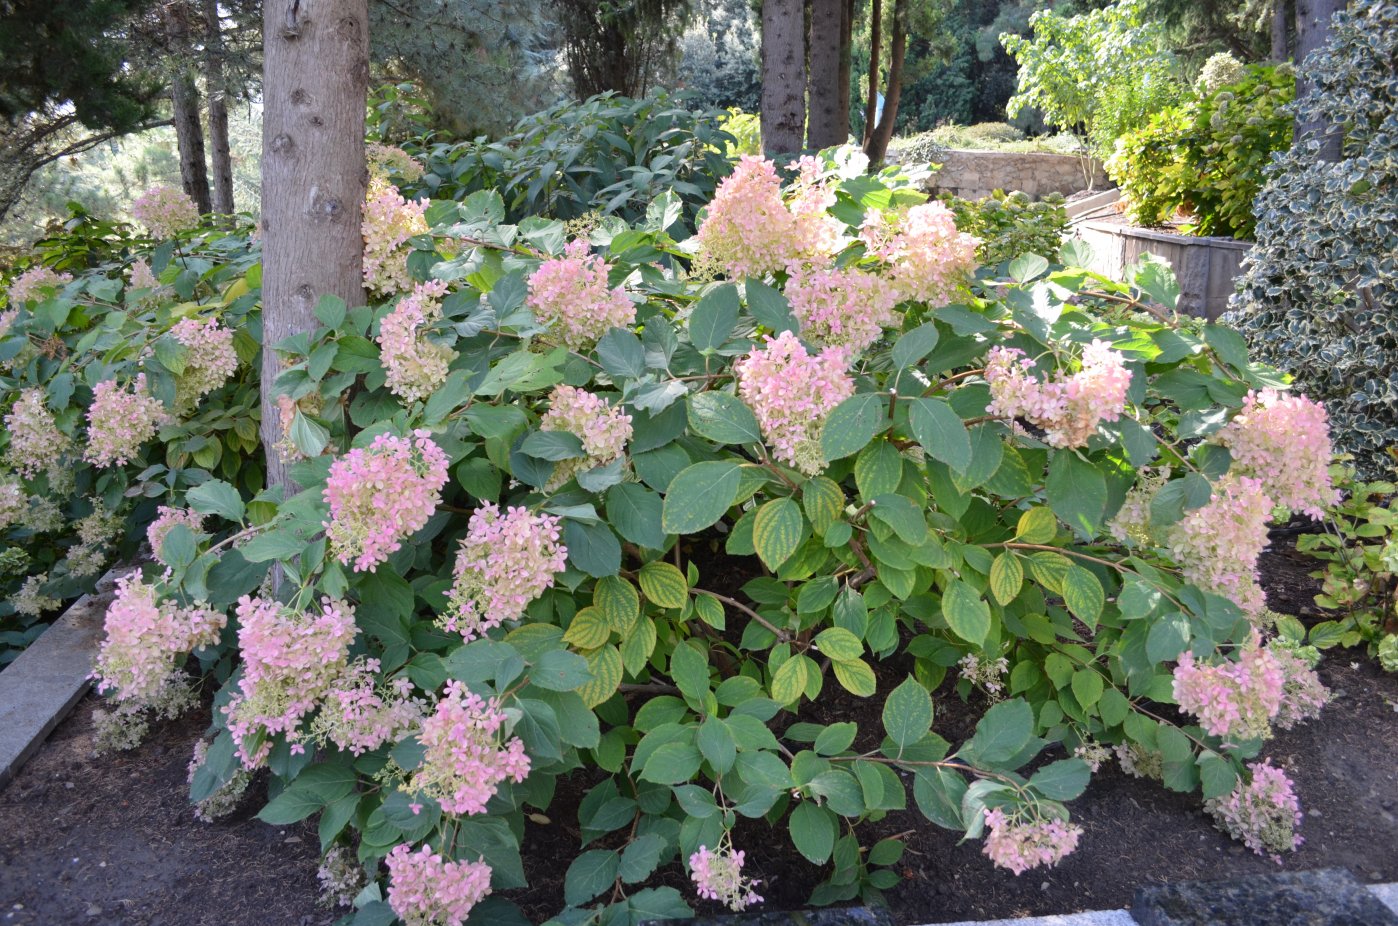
{"x":84,"y":840}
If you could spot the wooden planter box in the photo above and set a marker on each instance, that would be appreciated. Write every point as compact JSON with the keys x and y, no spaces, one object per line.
{"x":1206,"y":267}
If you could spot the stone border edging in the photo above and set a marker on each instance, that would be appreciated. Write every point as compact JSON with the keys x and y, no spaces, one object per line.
{"x":45,"y":682}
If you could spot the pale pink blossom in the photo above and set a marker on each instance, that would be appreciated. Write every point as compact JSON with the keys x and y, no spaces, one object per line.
{"x":846,"y":308}
{"x":928,"y":259}
{"x":1284,"y":441}
{"x":120,"y":420}
{"x":602,"y":428}
{"x":426,"y":889}
{"x":1068,"y":408}
{"x":166,"y":519}
{"x":718,"y":875}
{"x":142,"y":277}
{"x":381,"y":495}
{"x":1303,"y":693}
{"x":1263,"y":811}
{"x":1234,"y":700}
{"x":390,"y":221}
{"x":504,"y":563}
{"x":165,"y":211}
{"x":569,"y":295}
{"x":750,"y":231}
{"x":792,"y":392}
{"x":14,"y":503}
{"x":35,"y":284}
{"x":35,"y":441}
{"x":466,"y":752}
{"x":145,"y":639}
{"x":359,"y":714}
{"x":416,"y":366}
{"x":1021,"y":844}
{"x":1218,"y":545}
{"x":209,"y":359}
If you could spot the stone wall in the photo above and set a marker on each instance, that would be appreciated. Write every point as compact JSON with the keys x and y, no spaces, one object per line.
{"x":977,"y":174}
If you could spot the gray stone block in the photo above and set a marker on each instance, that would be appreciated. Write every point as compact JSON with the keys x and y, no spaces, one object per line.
{"x":41,"y":686}
{"x":1328,"y":897}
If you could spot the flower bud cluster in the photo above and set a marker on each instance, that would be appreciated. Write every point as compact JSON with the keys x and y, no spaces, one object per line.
{"x":290,"y":661}
{"x":466,"y":753}
{"x":603,"y":430}
{"x":31,"y":600}
{"x":165,"y":211}
{"x":504,"y":563}
{"x":209,"y":360}
{"x":1284,"y":442}
{"x":33,"y":285}
{"x":35,"y":441}
{"x":718,"y":875}
{"x":14,"y":503}
{"x":146,"y":638}
{"x":380,"y":495}
{"x":1263,"y":812}
{"x":1019,"y":844}
{"x":1067,"y":408}
{"x":792,"y":392}
{"x":120,"y":420}
{"x":416,"y":366}
{"x":569,"y":296}
{"x":383,"y":160}
{"x":426,"y":889}
{"x":389,"y":222}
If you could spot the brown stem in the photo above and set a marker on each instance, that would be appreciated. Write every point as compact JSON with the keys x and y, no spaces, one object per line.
{"x":780,"y":634}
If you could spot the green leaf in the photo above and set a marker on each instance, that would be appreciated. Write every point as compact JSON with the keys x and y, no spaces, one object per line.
{"x":1037,"y":525}
{"x":270,"y":545}
{"x":1006,"y":577}
{"x":1077,"y":492}
{"x":714,"y":317}
{"x":592,"y":548}
{"x":851,"y":425}
{"x":621,"y":354}
{"x":699,"y":496}
{"x":1216,"y":774}
{"x":716,"y":745}
{"x":789,"y":681}
{"x":635,"y":512}
{"x":292,"y":805}
{"x":941,"y":432}
{"x":856,"y":677}
{"x":308,"y":437}
{"x":1168,"y":637}
{"x":938,"y":793}
{"x":588,"y":629}
{"x":640,"y":858}
{"x":218,"y":498}
{"x":778,"y":531}
{"x":907,"y":713}
{"x":552,"y":445}
{"x":769,"y":307}
{"x":1028,"y":267}
{"x":823,"y":501}
{"x":590,"y":874}
{"x":1083,"y":594}
{"x":672,"y":764}
{"x":723,"y":418}
{"x":1087,"y":687}
{"x":618,"y":601}
{"x":836,"y":738}
{"x":966,"y":612}
{"x":1003,"y":732}
{"x":560,"y":670}
{"x":839,"y":644}
{"x":330,"y":311}
{"x":663,"y":584}
{"x":878,"y":469}
{"x":1063,"y":780}
{"x":914,"y":345}
{"x":690,"y":672}
{"x":448,"y":397}
{"x":813,"y":830}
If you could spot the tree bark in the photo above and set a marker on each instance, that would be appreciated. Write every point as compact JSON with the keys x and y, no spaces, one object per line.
{"x":877,"y":146}
{"x":846,"y":56}
{"x":184,"y":101}
{"x":1280,"y":13}
{"x":214,"y":81}
{"x":783,"y":75}
{"x":1312,"y":31}
{"x":871,"y":105}
{"x":315,"y":83}
{"x":825,"y":127}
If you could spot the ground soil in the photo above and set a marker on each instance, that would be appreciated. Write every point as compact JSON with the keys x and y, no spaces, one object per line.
{"x":113,"y":841}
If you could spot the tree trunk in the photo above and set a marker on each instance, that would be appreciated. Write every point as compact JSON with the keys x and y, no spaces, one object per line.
{"x":222,"y":201}
{"x":1280,"y":13}
{"x":783,"y":76}
{"x":877,"y":146}
{"x":846,"y":56}
{"x":314,"y":87}
{"x":1312,"y":31}
{"x":871,"y":106}
{"x":184,"y":101}
{"x":825,"y":127}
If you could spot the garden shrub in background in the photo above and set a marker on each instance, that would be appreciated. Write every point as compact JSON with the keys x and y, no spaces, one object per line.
{"x":609,"y":155}
{"x":498,"y":574}
{"x":1319,"y":292}
{"x":1205,"y":158}
{"x":1010,"y":225}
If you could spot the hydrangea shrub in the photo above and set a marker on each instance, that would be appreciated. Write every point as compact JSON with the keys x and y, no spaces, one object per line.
{"x":996,"y":485}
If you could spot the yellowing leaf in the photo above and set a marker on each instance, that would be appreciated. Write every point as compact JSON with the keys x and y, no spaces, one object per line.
{"x":823,"y":500}
{"x":588,"y":630}
{"x":638,"y":646}
{"x":618,"y":601}
{"x":856,"y":676}
{"x":1037,"y":525}
{"x":605,"y":665}
{"x":664,"y":585}
{"x":789,"y":682}
{"x":776,"y":533}
{"x":1006,"y":577}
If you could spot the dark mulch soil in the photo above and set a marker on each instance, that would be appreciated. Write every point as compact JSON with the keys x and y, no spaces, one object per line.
{"x":113,"y":841}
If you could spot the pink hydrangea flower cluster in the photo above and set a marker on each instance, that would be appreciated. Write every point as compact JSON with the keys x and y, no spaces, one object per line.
{"x":35,"y":441}
{"x":504,"y":563}
{"x":145,"y":638}
{"x":7,"y":318}
{"x":389,"y":222}
{"x":569,"y":295}
{"x":466,"y":755}
{"x":359,"y":715}
{"x":1217,"y":546}
{"x":1303,"y":693}
{"x":209,"y":359}
{"x":390,"y":159}
{"x":929,"y":259}
{"x":718,"y":875}
{"x":1235,"y":700}
{"x":120,"y":420}
{"x":14,"y":503}
{"x":1284,"y":441}
{"x":603,"y":430}
{"x":291,"y":660}
{"x":142,"y":277}
{"x":1263,"y":812}
{"x":749,"y":230}
{"x":380,"y":495}
{"x":428,"y":890}
{"x":166,"y":519}
{"x":34,"y":283}
{"x":842,"y":308}
{"x":1067,"y":408}
{"x":165,"y":211}
{"x":1019,"y":845}
{"x":416,"y":366}
{"x":792,"y":393}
